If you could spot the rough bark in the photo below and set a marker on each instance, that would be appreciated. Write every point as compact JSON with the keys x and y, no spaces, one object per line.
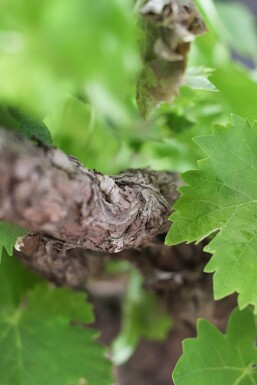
{"x":71,"y":268}
{"x":162,"y":267}
{"x":48,"y":192}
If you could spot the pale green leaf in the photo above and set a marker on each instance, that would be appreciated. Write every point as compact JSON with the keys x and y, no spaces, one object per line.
{"x":213,"y":358}
{"x":199,"y":83}
{"x":197,"y":78}
{"x":221,"y":196}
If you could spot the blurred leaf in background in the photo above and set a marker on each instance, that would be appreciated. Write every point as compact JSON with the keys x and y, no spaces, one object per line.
{"x":234,"y":77}
{"x":52,"y":47}
{"x":78,"y":131}
{"x":50,"y":64}
{"x":143,"y":317}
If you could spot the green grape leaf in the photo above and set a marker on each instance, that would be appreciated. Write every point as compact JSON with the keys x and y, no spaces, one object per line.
{"x":143,"y":317}
{"x":21,"y":278}
{"x":8,"y":235}
{"x":45,"y":340}
{"x":213,"y":358}
{"x":221,"y":196}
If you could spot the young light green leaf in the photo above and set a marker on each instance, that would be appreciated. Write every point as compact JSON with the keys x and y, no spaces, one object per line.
{"x":222,"y":196}
{"x":213,"y":358}
{"x":44,"y":340}
{"x":198,"y":82}
{"x":8,"y":235}
{"x":197,"y":78}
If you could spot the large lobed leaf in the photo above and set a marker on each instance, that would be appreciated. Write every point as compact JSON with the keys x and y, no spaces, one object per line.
{"x":43,"y":337}
{"x":221,"y":196}
{"x":213,"y":358}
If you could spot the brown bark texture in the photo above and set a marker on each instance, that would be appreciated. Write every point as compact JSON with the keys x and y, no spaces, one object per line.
{"x":46,"y":191}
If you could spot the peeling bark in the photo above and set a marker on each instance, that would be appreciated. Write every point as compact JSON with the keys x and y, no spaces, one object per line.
{"x":48,"y":192}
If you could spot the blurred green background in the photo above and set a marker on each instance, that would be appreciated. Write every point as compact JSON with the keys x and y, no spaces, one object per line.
{"x":73,"y":65}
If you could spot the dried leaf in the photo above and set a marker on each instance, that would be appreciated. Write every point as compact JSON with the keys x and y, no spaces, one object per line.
{"x":170,"y":25}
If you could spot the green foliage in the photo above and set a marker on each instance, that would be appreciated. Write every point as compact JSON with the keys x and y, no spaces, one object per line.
{"x":143,"y":317}
{"x":70,"y":69}
{"x":52,"y":47}
{"x":8,"y":235}
{"x":43,"y":334}
{"x":221,"y":196}
{"x":232,"y":23}
{"x":15,"y":281}
{"x":213,"y":358}
{"x":85,"y":139}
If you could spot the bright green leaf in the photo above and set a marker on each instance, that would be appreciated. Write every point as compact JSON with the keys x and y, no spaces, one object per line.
{"x":8,"y":235}
{"x":213,"y":358}
{"x":222,"y":196}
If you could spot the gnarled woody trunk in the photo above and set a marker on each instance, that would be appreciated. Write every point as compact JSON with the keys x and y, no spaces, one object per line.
{"x":46,"y":191}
